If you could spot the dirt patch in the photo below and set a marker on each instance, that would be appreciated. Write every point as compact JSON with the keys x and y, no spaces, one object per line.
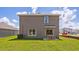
{"x":76,"y":37}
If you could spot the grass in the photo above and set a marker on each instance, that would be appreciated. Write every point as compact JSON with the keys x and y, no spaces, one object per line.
{"x":65,"y":44}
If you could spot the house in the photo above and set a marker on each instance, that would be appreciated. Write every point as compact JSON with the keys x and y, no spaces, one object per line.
{"x":7,"y":30}
{"x":39,"y":25}
{"x":70,"y":30}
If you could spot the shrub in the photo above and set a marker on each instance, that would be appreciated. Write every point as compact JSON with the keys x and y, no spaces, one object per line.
{"x":20,"y":36}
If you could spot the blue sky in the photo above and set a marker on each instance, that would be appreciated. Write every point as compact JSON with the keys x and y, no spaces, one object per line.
{"x":10,"y":13}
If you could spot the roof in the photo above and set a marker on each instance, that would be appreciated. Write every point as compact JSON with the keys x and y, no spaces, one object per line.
{"x":38,"y":14}
{"x":6,"y":26}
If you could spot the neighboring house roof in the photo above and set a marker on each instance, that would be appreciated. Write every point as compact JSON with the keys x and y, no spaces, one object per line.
{"x":6,"y":26}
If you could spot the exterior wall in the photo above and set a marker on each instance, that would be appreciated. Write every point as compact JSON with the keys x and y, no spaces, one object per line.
{"x":37,"y":22}
{"x":6,"y":32}
{"x":28,"y":22}
{"x":54,"y":20}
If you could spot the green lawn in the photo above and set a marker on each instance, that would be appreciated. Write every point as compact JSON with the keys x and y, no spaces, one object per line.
{"x":65,"y":44}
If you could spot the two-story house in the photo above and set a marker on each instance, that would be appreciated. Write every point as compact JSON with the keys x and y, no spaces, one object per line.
{"x":39,"y":25}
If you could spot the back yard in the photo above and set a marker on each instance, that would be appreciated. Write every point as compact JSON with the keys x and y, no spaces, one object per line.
{"x":65,"y":44}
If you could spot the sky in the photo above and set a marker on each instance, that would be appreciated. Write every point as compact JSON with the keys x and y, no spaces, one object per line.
{"x":69,"y":16}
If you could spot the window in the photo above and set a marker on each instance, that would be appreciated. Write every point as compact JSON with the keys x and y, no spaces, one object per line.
{"x":49,"y":32}
{"x":32,"y":32}
{"x":46,"y":19}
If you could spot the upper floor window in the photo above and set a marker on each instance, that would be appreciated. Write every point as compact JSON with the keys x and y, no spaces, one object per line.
{"x":46,"y":19}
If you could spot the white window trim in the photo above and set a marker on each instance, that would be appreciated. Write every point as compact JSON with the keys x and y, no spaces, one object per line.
{"x":32,"y":35}
{"x":46,"y":19}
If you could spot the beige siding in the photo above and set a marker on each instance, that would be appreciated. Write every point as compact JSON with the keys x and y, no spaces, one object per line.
{"x":32,"y":22}
{"x":54,"y":20}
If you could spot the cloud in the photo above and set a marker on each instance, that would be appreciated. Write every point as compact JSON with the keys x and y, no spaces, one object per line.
{"x":67,"y":18}
{"x":56,"y":12}
{"x":24,"y":12}
{"x":7,"y":20}
{"x":34,"y":9}
{"x":14,"y":20}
